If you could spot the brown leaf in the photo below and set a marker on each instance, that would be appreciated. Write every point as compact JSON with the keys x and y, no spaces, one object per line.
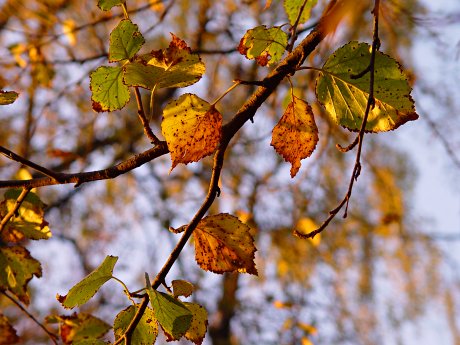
{"x":224,"y":244}
{"x":7,"y":332}
{"x":295,"y":136}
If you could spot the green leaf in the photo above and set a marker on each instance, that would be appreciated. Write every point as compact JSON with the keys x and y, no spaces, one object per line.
{"x":182,"y":288}
{"x":264,"y":45}
{"x":172,"y":315}
{"x":192,"y":128}
{"x":108,"y":91}
{"x":175,"y":66}
{"x":28,"y":223}
{"x":293,"y":7}
{"x":87,"y":288}
{"x":17,"y":268}
{"x":345,"y":98}
{"x":197,"y":330}
{"x":79,"y":328}
{"x":8,"y":97}
{"x":106,"y":5}
{"x":91,"y":341}
{"x":125,"y":41}
{"x":7,"y":331}
{"x":146,"y":330}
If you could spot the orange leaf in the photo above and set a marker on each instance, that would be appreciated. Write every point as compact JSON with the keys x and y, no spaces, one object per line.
{"x":295,"y":136}
{"x":224,"y":244}
{"x":192,"y":129}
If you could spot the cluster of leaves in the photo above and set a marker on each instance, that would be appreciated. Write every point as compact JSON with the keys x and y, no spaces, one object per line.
{"x":192,"y":128}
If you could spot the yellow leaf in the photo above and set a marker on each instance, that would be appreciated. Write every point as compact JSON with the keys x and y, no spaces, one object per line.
{"x":197,"y":329}
{"x":306,"y":341}
{"x":157,"y":6}
{"x":68,"y":28}
{"x":224,"y":244}
{"x":308,"y":329}
{"x":306,"y":225}
{"x":295,"y":136}
{"x":182,"y":288}
{"x":192,"y":129}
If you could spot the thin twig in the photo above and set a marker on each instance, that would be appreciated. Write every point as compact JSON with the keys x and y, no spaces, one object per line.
{"x":15,"y":157}
{"x":294,"y":28}
{"x":360,"y":137}
{"x":145,"y":122}
{"x":52,"y":336}
{"x":13,"y":211}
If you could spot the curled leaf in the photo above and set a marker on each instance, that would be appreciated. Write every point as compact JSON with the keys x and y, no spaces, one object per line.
{"x":264,"y":45}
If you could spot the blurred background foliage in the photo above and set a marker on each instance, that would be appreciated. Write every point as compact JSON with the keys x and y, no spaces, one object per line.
{"x":360,"y":282}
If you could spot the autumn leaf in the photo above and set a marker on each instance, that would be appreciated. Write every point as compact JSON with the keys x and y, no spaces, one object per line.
{"x":17,"y":268}
{"x":296,"y":135}
{"x":108,"y":93}
{"x":293,"y":7}
{"x":345,"y":97}
{"x":192,"y":129}
{"x":28,"y":221}
{"x":8,"y":97}
{"x":305,"y":226}
{"x":78,"y":327}
{"x":146,"y":330}
{"x":264,"y":45}
{"x":175,"y":66}
{"x":224,"y":244}
{"x":197,"y":329}
{"x":182,"y":288}
{"x":83,"y":291}
{"x":8,"y":333}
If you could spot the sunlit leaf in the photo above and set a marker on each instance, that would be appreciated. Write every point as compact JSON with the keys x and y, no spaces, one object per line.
{"x":345,"y":98}
{"x":28,"y":221}
{"x":172,"y":315}
{"x":182,"y":288}
{"x":306,"y":225}
{"x":264,"y":45}
{"x":296,"y":135}
{"x":106,"y":5}
{"x":87,"y":288}
{"x":192,"y":129}
{"x":68,"y":28}
{"x":224,"y":244}
{"x":7,"y":332}
{"x":77,"y":328}
{"x":8,"y":97}
{"x":197,"y":330}
{"x":108,"y":91}
{"x":293,"y":7}
{"x":175,"y":66}
{"x":146,"y":330}
{"x":17,"y":268}
{"x":125,"y":41}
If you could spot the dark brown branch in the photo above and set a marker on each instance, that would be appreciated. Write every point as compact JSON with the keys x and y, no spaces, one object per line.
{"x":83,"y":177}
{"x":370,"y":104}
{"x":15,"y":157}
{"x":52,"y":336}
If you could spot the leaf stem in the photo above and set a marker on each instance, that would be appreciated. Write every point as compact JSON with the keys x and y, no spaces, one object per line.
{"x":125,"y":288}
{"x":235,"y":84}
{"x":125,"y":10}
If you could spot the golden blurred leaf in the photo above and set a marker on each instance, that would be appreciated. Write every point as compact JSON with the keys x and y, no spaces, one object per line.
{"x":306,"y":225}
